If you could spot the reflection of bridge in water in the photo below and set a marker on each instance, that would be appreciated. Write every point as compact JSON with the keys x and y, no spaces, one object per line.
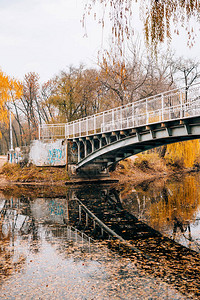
{"x":82,"y":217}
{"x":101,"y":140}
{"x":19,"y":216}
{"x":156,"y":254}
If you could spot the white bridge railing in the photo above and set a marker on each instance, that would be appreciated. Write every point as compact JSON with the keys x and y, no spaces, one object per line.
{"x":171,"y":105}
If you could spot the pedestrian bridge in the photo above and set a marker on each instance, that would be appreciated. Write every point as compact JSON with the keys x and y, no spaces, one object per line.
{"x":100,"y":140}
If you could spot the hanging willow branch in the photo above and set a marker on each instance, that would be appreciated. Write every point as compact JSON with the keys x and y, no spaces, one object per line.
{"x":157,"y":17}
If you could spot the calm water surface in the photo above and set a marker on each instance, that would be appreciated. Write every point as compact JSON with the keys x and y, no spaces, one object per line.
{"x":65,"y":247}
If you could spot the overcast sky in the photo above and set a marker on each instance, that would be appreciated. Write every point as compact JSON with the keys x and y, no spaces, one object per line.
{"x":46,"y":36}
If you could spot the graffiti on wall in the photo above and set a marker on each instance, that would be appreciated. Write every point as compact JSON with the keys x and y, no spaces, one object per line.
{"x":54,"y":156}
{"x":51,"y":153}
{"x":55,"y":208}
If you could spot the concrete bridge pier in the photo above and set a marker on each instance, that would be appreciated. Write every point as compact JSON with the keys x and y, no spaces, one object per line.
{"x":79,"y":148}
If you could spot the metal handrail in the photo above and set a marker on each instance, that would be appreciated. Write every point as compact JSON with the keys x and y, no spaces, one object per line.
{"x":140,"y":111}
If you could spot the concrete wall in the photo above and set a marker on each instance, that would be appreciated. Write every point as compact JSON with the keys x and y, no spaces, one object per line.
{"x":51,"y":153}
{"x":72,"y":152}
{"x":49,"y":210}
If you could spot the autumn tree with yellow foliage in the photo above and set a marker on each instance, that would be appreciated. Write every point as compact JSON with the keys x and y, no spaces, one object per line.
{"x":176,"y":203}
{"x":183,"y":153}
{"x":10,"y":90}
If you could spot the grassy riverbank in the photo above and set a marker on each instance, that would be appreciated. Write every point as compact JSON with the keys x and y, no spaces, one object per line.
{"x":13,"y":173}
{"x":143,"y":167}
{"x":135,"y":169}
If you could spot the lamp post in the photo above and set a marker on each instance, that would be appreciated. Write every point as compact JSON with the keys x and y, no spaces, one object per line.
{"x":11,"y":150}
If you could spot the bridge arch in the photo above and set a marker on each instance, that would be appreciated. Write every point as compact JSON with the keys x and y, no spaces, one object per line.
{"x":130,"y":142}
{"x":110,"y":136}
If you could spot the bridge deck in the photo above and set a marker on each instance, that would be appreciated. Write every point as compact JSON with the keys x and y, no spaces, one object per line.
{"x":171,"y":105}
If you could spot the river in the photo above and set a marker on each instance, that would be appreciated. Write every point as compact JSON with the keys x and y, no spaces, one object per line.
{"x":101,"y":241}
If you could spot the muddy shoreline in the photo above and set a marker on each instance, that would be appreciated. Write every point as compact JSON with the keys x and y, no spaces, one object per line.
{"x":135,"y":178}
{"x":129,"y":172}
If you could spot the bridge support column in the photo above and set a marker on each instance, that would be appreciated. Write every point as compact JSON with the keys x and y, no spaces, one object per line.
{"x":79,"y":150}
{"x":100,"y":142}
{"x":85,"y":147}
{"x":107,"y":137}
{"x":92,"y":143}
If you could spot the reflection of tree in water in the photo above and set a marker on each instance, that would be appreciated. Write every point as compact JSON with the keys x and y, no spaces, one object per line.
{"x":171,"y":206}
{"x":9,"y":263}
{"x":178,"y":204}
{"x":184,"y":229}
{"x":29,"y":230}
{"x":15,"y":221}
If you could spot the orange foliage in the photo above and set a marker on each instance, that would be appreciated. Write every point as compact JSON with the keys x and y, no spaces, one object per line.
{"x":184,"y":152}
{"x":10,"y":89}
{"x":182,"y":204}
